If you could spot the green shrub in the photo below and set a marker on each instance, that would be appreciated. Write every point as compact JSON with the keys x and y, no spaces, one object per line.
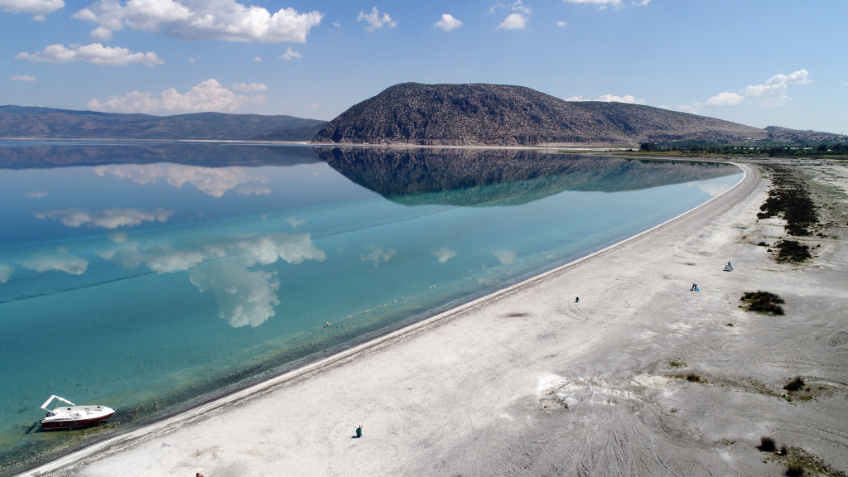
{"x":763,"y":302}
{"x":767,"y":444}
{"x":794,"y":384}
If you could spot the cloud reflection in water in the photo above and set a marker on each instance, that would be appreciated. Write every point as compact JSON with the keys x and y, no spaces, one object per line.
{"x":215,"y":181}
{"x":109,"y":218}
{"x":244,"y":296}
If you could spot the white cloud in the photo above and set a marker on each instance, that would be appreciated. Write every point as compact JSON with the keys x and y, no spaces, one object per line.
{"x":209,"y":95}
{"x":561,"y":23}
{"x":214,"y":181}
{"x":504,"y":256}
{"x":375,"y":21}
{"x":642,"y":3}
{"x":251,"y":87}
{"x":257,"y":59}
{"x":39,"y":8}
{"x":725,"y":99}
{"x":610,"y":98}
{"x":34,"y":194}
{"x":377,"y":254}
{"x":290,"y":54}
{"x":101,"y":34}
{"x":63,"y":262}
{"x":447,"y":23}
{"x":514,"y":21}
{"x":22,"y":78}
{"x":109,"y":218}
{"x":225,"y":20}
{"x":94,"y":53}
{"x":5,"y":272}
{"x":603,"y":3}
{"x":314,"y":105}
{"x":773,"y":92}
{"x":444,"y":254}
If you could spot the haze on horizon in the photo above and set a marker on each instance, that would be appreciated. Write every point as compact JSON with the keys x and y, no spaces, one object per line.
{"x":758,"y":63}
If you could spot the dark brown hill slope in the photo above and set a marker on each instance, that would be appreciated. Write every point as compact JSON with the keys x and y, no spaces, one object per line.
{"x":21,"y":121}
{"x":472,"y":114}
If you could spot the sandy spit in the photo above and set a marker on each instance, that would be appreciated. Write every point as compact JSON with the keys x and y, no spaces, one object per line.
{"x":528,"y":382}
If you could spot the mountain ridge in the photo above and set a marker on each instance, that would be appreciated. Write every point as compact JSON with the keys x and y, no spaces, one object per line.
{"x":49,"y":123}
{"x":486,"y":114}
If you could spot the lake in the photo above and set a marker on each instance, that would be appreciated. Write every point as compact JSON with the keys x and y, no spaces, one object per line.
{"x":149,"y":277}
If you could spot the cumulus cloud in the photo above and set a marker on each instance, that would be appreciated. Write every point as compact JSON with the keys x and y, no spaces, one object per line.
{"x":447,"y":23}
{"x":444,"y":254}
{"x":225,"y":20}
{"x":610,"y":98}
{"x":561,"y":23}
{"x":251,"y":87}
{"x":101,"y":34}
{"x":109,"y":218}
{"x":38,"y":194}
{"x":515,"y":21}
{"x":772,"y":93}
{"x":94,"y":53}
{"x":257,"y":59}
{"x":602,"y":3}
{"x":39,"y":8}
{"x":375,"y":21}
{"x":725,"y":99}
{"x":5,"y":272}
{"x":209,"y":95}
{"x":62,"y":262}
{"x":215,"y":181}
{"x":22,"y":78}
{"x":290,"y":54}
{"x":376,"y":255}
{"x":504,"y":256}
{"x":225,"y":269}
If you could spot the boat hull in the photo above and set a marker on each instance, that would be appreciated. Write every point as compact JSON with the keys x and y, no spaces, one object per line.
{"x":73,"y":423}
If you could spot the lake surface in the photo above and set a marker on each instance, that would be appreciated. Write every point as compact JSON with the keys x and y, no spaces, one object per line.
{"x":148,"y":277}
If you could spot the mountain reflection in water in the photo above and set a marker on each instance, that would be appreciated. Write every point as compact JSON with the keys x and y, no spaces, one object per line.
{"x":468,"y":177}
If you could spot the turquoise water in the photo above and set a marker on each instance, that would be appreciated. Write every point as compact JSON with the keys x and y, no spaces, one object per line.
{"x":149,"y":277}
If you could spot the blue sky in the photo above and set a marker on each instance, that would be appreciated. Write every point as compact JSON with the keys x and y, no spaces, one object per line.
{"x":756,"y":62}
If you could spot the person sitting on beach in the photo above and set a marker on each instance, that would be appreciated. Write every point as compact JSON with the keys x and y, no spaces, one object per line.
{"x":577,"y":300}
{"x":359,"y":432}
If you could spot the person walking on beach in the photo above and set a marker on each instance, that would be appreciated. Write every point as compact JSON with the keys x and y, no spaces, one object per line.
{"x":694,"y":287}
{"x":577,"y":300}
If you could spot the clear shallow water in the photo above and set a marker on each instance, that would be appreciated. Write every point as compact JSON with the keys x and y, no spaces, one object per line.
{"x":147,"y":277}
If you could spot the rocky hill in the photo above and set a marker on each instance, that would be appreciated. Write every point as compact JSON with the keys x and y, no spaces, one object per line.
{"x":28,"y":122}
{"x":477,"y":114}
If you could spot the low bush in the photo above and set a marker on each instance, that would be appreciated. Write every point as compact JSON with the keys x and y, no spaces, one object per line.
{"x":792,"y":251}
{"x":693,"y":378}
{"x":767,"y":444}
{"x":763,"y":302}
{"x":795,"y":384}
{"x":794,"y":470}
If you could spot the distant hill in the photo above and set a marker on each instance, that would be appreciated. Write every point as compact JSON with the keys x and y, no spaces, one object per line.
{"x":778,"y":133}
{"x":20,"y":121}
{"x":476,"y":114}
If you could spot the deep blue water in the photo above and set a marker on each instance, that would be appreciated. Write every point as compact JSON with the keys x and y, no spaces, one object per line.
{"x":145,"y":277}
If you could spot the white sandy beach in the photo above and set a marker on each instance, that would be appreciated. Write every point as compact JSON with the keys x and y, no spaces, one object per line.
{"x":531,"y":383}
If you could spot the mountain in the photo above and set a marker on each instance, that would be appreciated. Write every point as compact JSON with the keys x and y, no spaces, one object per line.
{"x":477,"y":114}
{"x":796,"y":135}
{"x":481,"y":178}
{"x":28,"y":122}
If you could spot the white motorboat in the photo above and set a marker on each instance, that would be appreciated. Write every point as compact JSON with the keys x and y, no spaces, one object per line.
{"x":73,"y":416}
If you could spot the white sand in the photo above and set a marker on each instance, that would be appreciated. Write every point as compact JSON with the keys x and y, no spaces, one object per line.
{"x":484,"y":391}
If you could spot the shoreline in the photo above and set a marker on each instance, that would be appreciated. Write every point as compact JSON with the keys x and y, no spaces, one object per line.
{"x":268,"y":385}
